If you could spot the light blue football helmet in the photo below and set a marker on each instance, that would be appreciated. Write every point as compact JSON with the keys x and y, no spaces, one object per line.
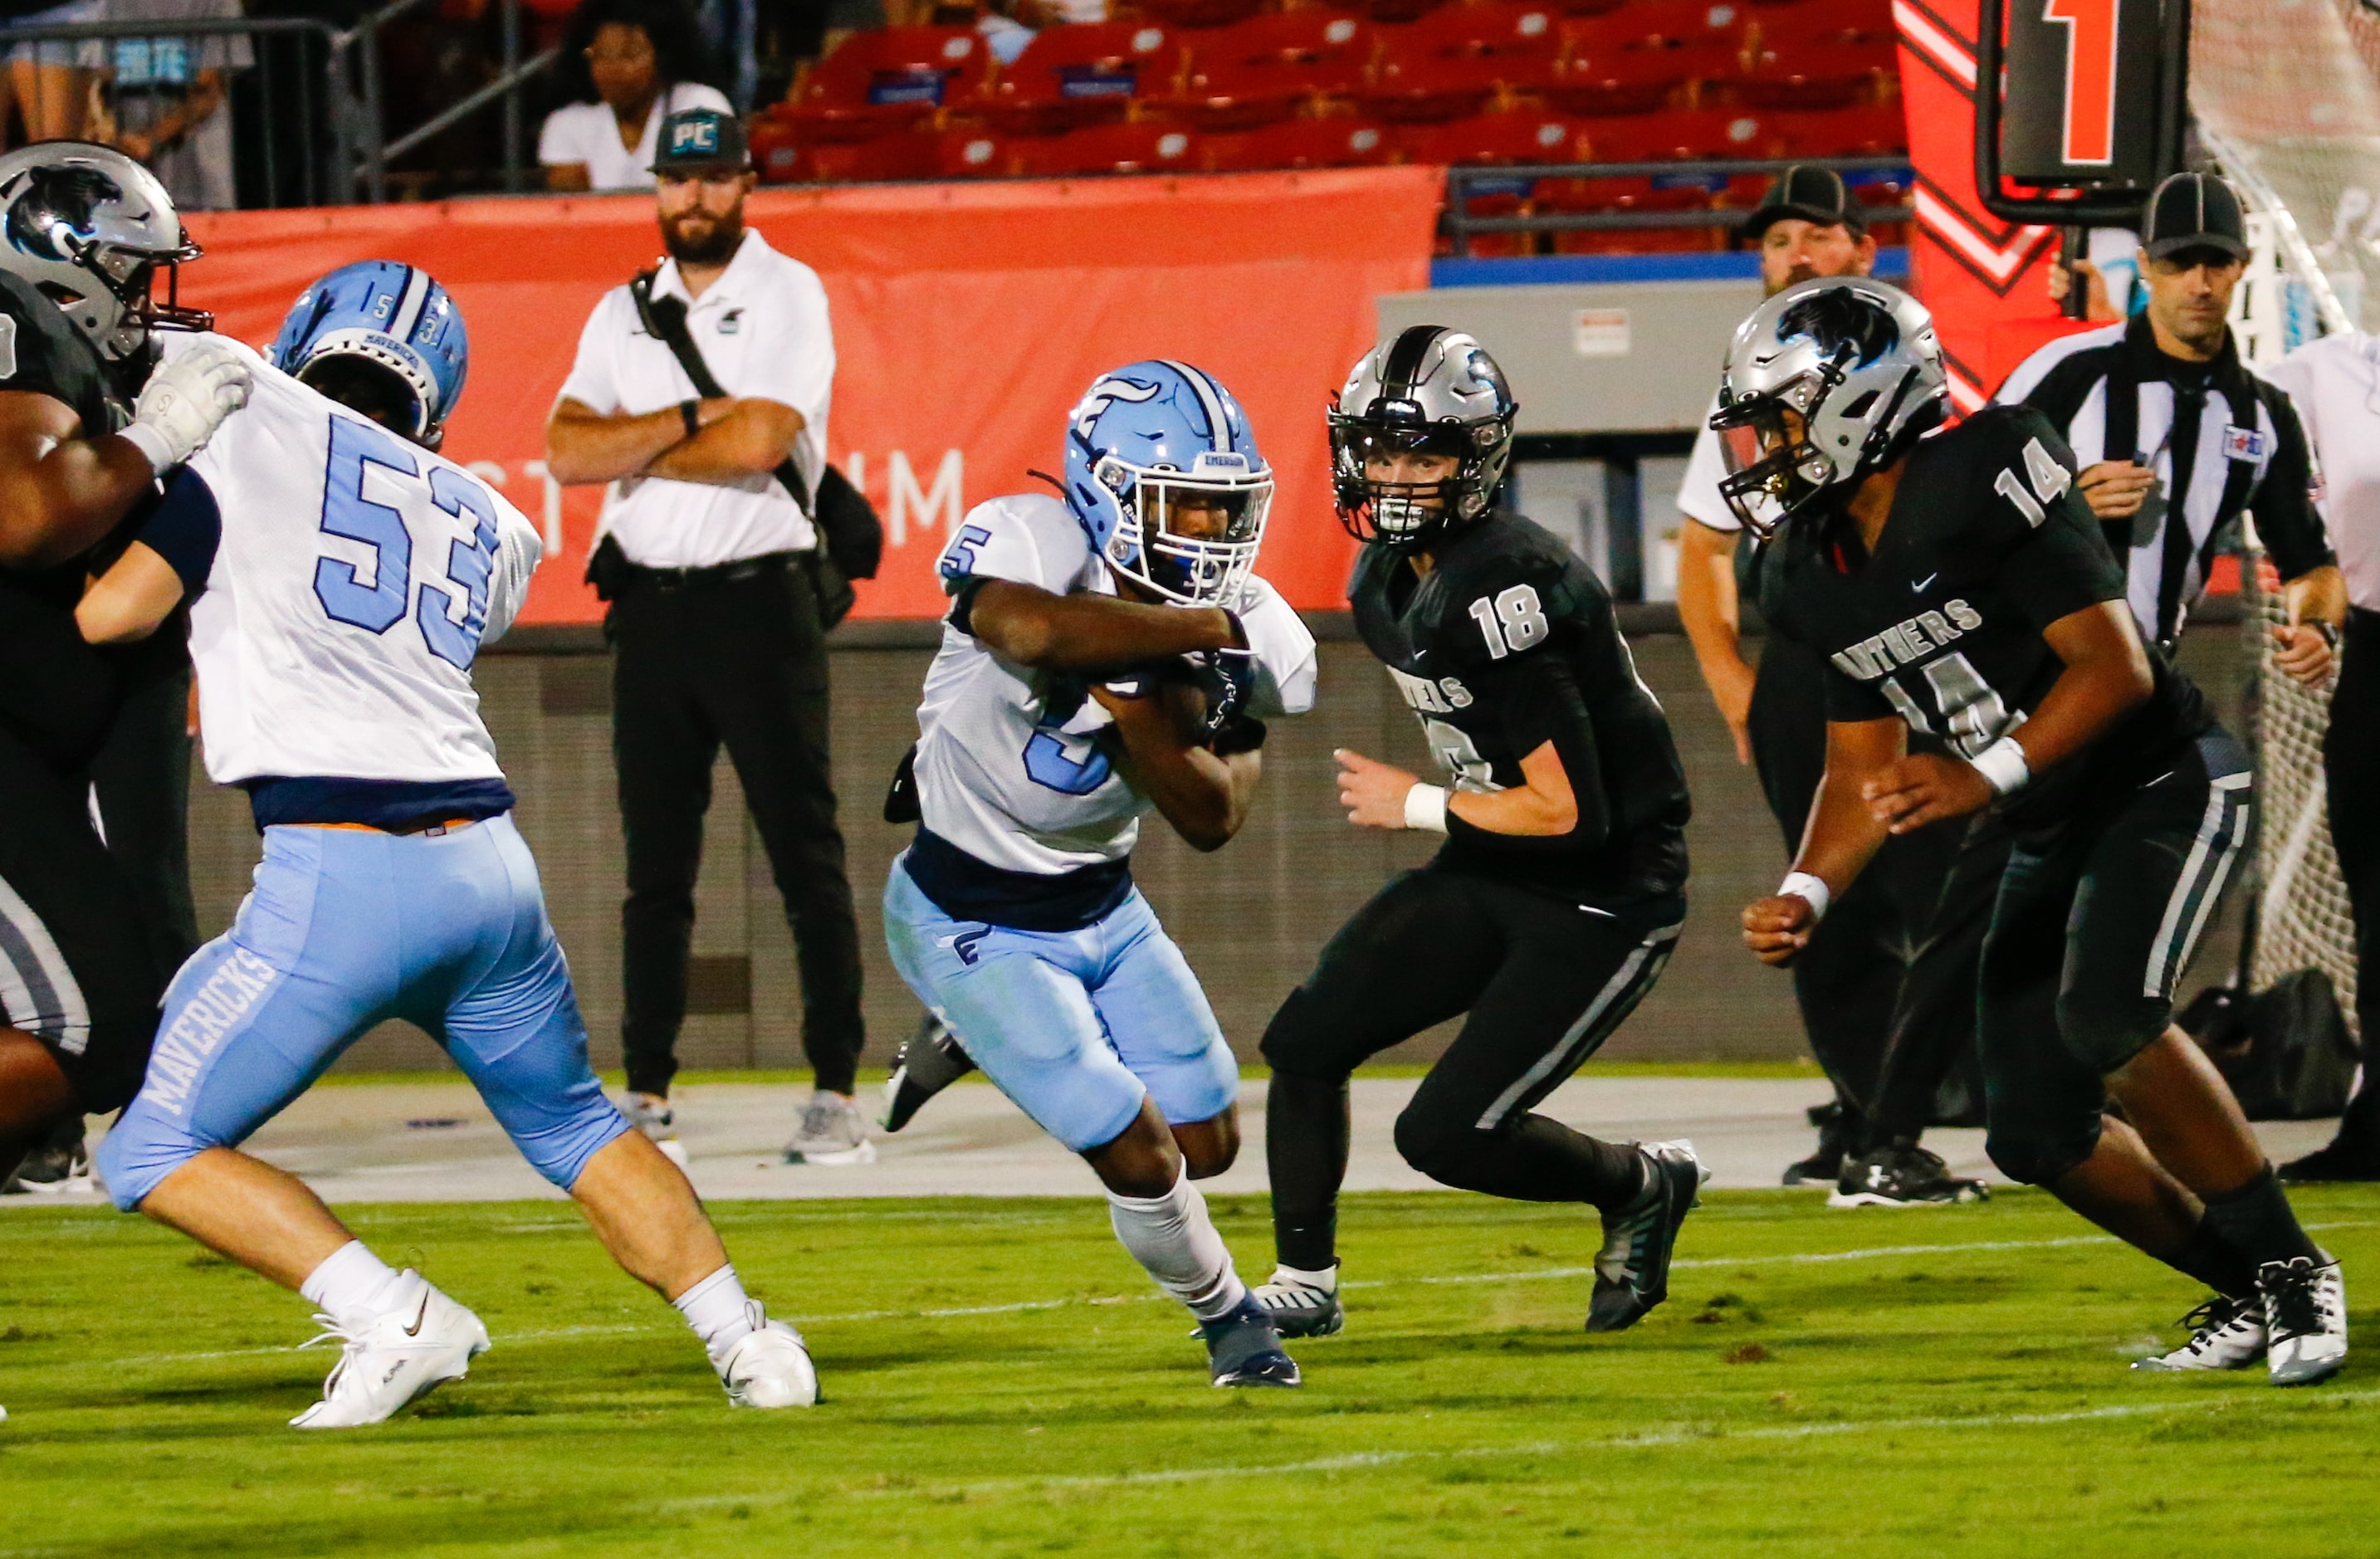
{"x":389,"y":314}
{"x":1155,"y":451}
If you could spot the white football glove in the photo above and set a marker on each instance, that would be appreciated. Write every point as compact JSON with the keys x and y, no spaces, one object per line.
{"x":186,"y":400}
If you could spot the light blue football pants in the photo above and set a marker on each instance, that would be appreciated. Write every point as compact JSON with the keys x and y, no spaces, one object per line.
{"x":344,"y":929}
{"x":1076,"y":1027}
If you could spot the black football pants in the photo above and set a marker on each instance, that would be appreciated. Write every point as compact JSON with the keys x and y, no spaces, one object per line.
{"x":2350,"y":753}
{"x":739,"y":661}
{"x":1545,"y":981}
{"x":1848,"y":979}
{"x":142,"y":777}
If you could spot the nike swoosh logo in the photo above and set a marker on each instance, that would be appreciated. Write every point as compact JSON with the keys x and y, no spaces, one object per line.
{"x":1921,"y":584}
{"x":419,"y":1317}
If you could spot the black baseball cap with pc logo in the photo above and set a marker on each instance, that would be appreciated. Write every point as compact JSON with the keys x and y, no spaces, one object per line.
{"x":2194,"y":211}
{"x":696,"y":140}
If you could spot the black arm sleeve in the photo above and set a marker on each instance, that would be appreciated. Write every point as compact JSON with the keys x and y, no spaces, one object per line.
{"x":2285,"y":518}
{"x":1539,"y":699}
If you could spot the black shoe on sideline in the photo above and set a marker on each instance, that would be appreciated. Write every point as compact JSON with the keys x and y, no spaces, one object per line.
{"x":930,"y":1062}
{"x":1903,"y":1175}
{"x":2340,"y":1161}
{"x":1824,"y":1167}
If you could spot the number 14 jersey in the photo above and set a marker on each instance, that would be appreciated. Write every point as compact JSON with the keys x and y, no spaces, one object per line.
{"x":1987,"y":543}
{"x":357,"y":576}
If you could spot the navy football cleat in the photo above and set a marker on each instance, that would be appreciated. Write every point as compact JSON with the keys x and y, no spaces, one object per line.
{"x":1631,"y":1271}
{"x":930,"y":1062}
{"x":1243,"y":1350}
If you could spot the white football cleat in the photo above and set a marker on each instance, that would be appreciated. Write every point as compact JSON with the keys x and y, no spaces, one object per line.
{"x":396,"y":1359}
{"x":2305,"y":1320}
{"x":2228,"y":1335}
{"x":768,"y":1367}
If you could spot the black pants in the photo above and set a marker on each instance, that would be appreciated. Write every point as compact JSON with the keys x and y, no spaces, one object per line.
{"x":76,"y":968}
{"x":1848,"y":979}
{"x":737,"y":657}
{"x":2094,"y":922}
{"x":1930,"y":1070}
{"x":142,"y":779}
{"x":2351,"y":754}
{"x":1545,"y":981}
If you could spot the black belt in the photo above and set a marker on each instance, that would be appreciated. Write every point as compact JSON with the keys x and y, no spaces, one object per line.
{"x":735,"y":572}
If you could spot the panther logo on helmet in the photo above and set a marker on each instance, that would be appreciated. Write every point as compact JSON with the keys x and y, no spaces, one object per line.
{"x":89,"y":227}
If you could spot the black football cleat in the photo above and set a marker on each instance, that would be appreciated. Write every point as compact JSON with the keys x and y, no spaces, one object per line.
{"x":1903,"y":1175}
{"x":1243,"y":1350}
{"x":1824,"y":1167}
{"x":2341,"y":1161}
{"x":930,"y":1062}
{"x":1631,"y":1271}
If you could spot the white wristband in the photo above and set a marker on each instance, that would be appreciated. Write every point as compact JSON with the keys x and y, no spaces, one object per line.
{"x":1426,"y":808}
{"x":2003,"y":765}
{"x":152,"y":443}
{"x":1808,"y":888}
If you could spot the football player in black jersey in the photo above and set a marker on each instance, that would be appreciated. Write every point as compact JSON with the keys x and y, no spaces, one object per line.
{"x":1561,"y":889}
{"x":1958,"y":585}
{"x":86,"y":230}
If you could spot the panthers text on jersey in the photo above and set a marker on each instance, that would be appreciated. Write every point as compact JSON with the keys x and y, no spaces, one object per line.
{"x":1509,"y":640}
{"x":1987,"y":543}
{"x":1008,"y":769}
{"x":357,"y":576}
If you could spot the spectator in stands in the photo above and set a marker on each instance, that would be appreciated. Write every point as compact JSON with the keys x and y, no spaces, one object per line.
{"x":167,"y":95}
{"x":51,"y":82}
{"x":636,"y":62}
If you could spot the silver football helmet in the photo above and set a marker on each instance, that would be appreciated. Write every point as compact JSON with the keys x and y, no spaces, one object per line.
{"x":89,"y":228}
{"x":1825,"y":383}
{"x":1428,"y":390}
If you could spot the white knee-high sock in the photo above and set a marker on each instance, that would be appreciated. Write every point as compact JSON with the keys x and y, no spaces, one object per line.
{"x":353,"y":1286}
{"x":1173,"y":1238}
{"x":718,"y":1310}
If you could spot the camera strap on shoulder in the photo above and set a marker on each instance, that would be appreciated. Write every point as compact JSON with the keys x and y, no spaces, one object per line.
{"x":663,"y":318}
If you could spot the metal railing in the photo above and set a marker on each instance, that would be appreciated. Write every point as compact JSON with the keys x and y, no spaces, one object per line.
{"x":306,"y":100}
{"x":1463,"y":183}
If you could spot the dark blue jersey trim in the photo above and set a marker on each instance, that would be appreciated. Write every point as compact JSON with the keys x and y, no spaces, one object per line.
{"x":967,"y":889}
{"x":390,"y":804}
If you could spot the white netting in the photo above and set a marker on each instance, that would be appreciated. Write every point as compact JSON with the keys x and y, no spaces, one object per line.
{"x":2302,"y":920}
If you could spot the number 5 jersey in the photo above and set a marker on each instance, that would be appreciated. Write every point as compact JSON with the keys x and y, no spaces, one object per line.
{"x":357,"y":576}
{"x":1509,"y":644}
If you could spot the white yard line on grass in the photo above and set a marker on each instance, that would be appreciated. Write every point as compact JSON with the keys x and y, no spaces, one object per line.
{"x":1022,"y":1307}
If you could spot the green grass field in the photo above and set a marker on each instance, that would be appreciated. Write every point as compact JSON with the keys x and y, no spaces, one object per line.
{"x":1000,"y":1381}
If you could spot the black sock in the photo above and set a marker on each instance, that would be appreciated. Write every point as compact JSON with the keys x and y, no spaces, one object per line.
{"x":1538,"y":1159}
{"x":1305,"y":1153}
{"x":2213,"y":1262}
{"x":2256,"y":1222}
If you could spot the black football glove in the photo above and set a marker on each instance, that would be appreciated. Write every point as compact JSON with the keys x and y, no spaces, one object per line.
{"x":1228,"y":678}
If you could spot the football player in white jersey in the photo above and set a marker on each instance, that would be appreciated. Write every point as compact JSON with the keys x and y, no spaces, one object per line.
{"x":356,"y":578}
{"x":1105,"y":653}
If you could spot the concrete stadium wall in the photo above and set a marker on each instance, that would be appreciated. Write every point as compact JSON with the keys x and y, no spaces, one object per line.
{"x":1251,"y":918}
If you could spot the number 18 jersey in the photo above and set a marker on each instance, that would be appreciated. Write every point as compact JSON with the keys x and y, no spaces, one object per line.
{"x":357,"y":576}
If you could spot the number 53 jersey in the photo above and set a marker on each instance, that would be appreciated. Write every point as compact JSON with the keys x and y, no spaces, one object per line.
{"x":1511,"y":642}
{"x":357,"y":576}
{"x":1987,"y":543}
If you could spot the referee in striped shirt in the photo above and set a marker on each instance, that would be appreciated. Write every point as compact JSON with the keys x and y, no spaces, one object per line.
{"x":2174,"y":439}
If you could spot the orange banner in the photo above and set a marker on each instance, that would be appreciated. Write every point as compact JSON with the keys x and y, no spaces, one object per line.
{"x":968,"y":319}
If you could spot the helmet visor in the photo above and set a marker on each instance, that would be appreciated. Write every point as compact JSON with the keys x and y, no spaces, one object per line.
{"x":1190,"y":538}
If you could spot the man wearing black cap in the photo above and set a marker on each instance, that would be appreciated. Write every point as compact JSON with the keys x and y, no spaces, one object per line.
{"x":1808,"y":224}
{"x":705,"y":553}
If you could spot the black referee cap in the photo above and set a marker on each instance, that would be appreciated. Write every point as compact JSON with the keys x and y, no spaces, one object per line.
{"x":2194,"y":211}
{"x":1812,"y":194}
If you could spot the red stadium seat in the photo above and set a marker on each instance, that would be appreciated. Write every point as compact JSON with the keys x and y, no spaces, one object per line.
{"x":1819,"y":72}
{"x":1265,"y":67}
{"x":1683,"y":23}
{"x":973,"y":154}
{"x":1865,"y":129}
{"x":887,"y":79}
{"x":1142,"y":147}
{"x":1337,"y":141}
{"x":1638,"y":192}
{"x":1493,"y":137}
{"x":1085,"y":74}
{"x":1451,"y":62}
{"x":1199,"y":13}
{"x":776,"y":150}
{"x":900,"y":154}
{"x":1691,"y":134}
{"x":1398,"y":10}
{"x":1641,"y":240}
{"x":1617,"y":80}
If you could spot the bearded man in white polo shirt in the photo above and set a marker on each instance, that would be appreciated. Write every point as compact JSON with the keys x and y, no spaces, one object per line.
{"x":707,"y":555}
